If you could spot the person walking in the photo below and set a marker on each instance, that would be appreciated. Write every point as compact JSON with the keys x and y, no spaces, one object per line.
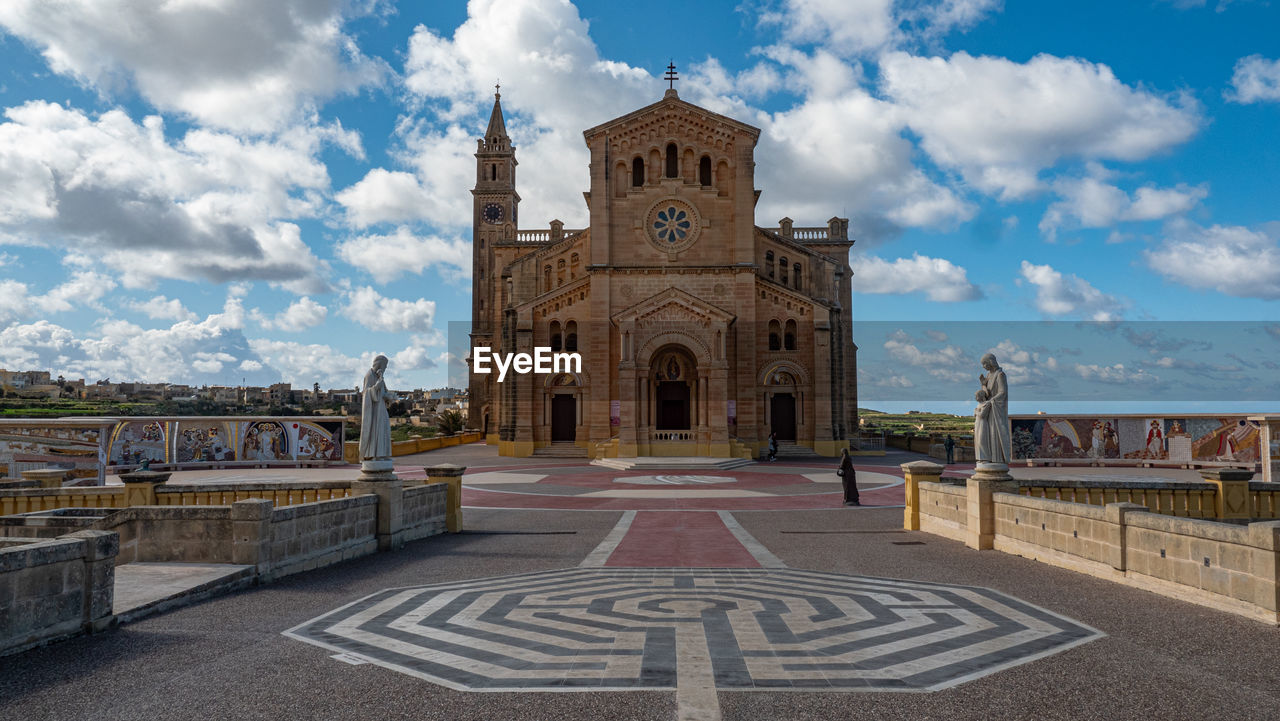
{"x":848,"y":478}
{"x":950,"y":445}
{"x":773,"y":446}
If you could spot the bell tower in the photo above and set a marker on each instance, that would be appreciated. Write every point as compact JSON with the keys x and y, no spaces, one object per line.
{"x":494,"y":218}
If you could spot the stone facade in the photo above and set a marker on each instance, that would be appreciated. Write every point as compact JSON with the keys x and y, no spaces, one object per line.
{"x":700,"y":332}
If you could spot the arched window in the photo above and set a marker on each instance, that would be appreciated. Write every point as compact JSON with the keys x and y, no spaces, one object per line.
{"x":493,"y":172}
{"x":637,"y":172}
{"x":795,"y":275}
{"x":782,"y":270}
{"x":546,"y":277}
{"x":704,"y":171}
{"x":571,"y":336}
{"x":775,"y":335}
{"x":768,"y":265}
{"x":573,"y":265}
{"x":789,"y":338}
{"x":722,"y":178}
{"x":555,"y":336}
{"x":673,"y":161}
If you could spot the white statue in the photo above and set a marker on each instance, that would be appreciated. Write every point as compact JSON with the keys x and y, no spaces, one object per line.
{"x":993,"y":439}
{"x":375,"y":422}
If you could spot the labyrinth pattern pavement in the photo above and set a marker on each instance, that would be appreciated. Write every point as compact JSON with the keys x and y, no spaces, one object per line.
{"x":621,"y":628}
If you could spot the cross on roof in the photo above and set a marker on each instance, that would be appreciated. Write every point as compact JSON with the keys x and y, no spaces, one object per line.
{"x":671,"y":77}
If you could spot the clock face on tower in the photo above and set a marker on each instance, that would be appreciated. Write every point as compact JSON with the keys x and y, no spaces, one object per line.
{"x":492,"y":213}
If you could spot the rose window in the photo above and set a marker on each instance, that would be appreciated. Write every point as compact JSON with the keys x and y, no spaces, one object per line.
{"x":672,"y":224}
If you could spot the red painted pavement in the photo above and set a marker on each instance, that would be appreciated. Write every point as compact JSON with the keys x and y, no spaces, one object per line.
{"x":489,"y":498}
{"x":680,"y":539}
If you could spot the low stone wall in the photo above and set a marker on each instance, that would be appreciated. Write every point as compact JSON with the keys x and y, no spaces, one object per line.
{"x":351,"y":449}
{"x":943,"y":510}
{"x":178,"y":534}
{"x":423,"y":510}
{"x":1230,"y":567}
{"x":56,"y":588}
{"x":313,"y":535}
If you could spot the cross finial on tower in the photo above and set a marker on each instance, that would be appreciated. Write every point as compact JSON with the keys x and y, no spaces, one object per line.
{"x":671,"y":77}
{"x":497,"y":86}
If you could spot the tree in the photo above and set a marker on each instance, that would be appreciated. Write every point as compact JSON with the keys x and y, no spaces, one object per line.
{"x":449,"y":422}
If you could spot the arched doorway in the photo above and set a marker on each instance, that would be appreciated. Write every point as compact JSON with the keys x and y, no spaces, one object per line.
{"x":782,"y":404}
{"x":564,"y":417}
{"x":674,"y":373}
{"x":563,"y":401}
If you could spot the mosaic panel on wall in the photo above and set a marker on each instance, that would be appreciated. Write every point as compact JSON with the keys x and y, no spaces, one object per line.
{"x":137,"y":441}
{"x":75,"y":448}
{"x":1228,"y":439}
{"x":198,"y":441}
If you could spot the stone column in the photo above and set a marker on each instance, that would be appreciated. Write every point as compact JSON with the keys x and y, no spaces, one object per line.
{"x":452,"y":475}
{"x":1265,"y":447}
{"x":101,"y":549}
{"x":140,"y":487}
{"x":1265,"y":539}
{"x":1117,"y":514}
{"x":980,"y":521}
{"x":376,"y":477}
{"x":1233,"y":499}
{"x":916,"y":472}
{"x":251,"y":535}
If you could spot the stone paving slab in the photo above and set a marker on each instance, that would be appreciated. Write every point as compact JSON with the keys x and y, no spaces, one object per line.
{"x":145,"y":588}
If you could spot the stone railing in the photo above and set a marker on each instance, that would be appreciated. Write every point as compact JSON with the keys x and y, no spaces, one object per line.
{"x":279,"y":494}
{"x":416,"y":445}
{"x":28,"y":500}
{"x":1233,"y":567}
{"x":868,"y":443}
{"x":673,"y":435}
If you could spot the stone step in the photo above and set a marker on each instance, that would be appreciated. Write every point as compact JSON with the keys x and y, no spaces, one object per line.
{"x":561,"y":449}
{"x":672,"y":463}
{"x":795,"y":450}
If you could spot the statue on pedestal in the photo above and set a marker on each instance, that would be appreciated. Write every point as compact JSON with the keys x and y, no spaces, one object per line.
{"x":375,"y":421}
{"x":992,"y":438}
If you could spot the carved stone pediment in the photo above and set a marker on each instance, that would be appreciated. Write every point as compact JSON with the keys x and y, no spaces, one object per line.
{"x":676,"y":307}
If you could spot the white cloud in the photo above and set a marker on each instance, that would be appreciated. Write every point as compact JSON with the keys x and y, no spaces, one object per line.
{"x":386,"y":196}
{"x":387,"y":257}
{"x":85,"y":289}
{"x":865,"y":26}
{"x":186,"y":352}
{"x":1116,"y":374}
{"x":301,"y":314}
{"x":240,"y":64}
{"x":1092,"y":202}
{"x":1255,"y":79}
{"x":1000,"y":122}
{"x":943,"y":362}
{"x":307,"y":363}
{"x":160,"y":307}
{"x":938,"y":278}
{"x":391,"y":315}
{"x":118,"y":194}
{"x":894,"y":382}
{"x":1230,"y":259}
{"x":1058,"y":294}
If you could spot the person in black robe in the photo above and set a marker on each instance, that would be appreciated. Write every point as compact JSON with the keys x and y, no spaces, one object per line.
{"x":849,"y":478}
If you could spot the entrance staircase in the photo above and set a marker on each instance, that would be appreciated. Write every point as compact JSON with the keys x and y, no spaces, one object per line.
{"x":561,"y":449}
{"x":795,"y":451}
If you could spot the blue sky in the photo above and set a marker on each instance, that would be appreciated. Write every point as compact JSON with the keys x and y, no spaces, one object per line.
{"x":212,"y":191}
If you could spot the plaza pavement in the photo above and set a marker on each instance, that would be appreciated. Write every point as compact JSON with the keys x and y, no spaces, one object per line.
{"x":227,"y":658}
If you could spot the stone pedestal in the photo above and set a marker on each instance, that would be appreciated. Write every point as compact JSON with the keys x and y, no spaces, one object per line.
{"x":452,"y":475}
{"x":915,"y":472}
{"x":987,"y":480}
{"x":140,"y":487}
{"x":47,"y":477}
{"x":1233,"y":499}
{"x":379,"y":478}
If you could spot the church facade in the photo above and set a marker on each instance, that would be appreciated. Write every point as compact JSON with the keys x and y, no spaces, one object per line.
{"x":700,"y":332}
